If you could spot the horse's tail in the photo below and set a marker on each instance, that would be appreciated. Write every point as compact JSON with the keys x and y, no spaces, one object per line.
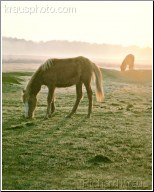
{"x":99,"y":83}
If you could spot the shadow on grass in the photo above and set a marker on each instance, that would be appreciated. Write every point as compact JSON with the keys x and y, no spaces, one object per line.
{"x":66,"y":124}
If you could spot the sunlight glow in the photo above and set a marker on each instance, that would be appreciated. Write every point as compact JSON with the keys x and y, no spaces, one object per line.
{"x":125,"y":23}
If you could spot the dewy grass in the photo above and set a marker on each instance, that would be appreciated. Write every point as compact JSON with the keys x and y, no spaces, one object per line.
{"x":111,"y":150}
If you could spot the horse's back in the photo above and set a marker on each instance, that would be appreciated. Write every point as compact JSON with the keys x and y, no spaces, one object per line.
{"x":129,"y":58}
{"x":67,"y":72}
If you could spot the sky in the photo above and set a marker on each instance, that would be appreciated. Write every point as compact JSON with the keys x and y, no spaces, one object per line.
{"x":123,"y":23}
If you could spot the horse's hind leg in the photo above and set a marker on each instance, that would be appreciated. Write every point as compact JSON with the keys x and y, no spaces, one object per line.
{"x":49,"y":100}
{"x":89,"y":93}
{"x":78,"y":98}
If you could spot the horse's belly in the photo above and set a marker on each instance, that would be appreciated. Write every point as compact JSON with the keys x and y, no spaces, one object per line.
{"x":67,"y":82}
{"x":63,"y":85}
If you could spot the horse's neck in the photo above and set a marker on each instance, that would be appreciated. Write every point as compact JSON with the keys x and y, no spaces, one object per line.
{"x":34,"y":85}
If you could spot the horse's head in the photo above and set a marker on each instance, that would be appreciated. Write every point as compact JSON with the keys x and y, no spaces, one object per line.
{"x":123,"y":67}
{"x":29,"y":104}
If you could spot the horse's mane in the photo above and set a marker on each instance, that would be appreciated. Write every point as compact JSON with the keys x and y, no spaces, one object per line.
{"x":46,"y":65}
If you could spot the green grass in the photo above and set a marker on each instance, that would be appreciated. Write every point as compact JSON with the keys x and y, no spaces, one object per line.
{"x":111,"y":150}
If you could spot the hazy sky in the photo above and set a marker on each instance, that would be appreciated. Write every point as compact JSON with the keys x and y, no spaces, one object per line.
{"x":125,"y":23}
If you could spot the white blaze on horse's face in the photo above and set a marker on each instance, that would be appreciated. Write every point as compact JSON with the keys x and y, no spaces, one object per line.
{"x":29,"y":104}
{"x":26,"y":109}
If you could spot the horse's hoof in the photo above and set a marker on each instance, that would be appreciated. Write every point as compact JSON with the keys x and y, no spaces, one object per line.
{"x":46,"y":117}
{"x":29,"y":118}
{"x":88,"y":116}
{"x":49,"y":116}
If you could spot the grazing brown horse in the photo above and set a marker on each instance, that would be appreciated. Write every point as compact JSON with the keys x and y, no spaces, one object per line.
{"x":63,"y":73}
{"x":129,"y":60}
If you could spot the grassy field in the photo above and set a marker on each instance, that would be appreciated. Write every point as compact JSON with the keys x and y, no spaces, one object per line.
{"x":111,"y":150}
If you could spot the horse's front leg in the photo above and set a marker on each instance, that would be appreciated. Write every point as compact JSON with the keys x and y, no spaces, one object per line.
{"x":53,"y":105}
{"x":49,"y":100}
